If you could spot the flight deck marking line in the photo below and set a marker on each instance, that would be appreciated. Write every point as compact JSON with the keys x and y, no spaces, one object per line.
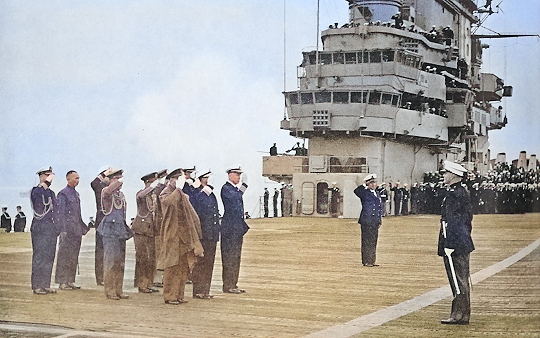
{"x":385,"y":315}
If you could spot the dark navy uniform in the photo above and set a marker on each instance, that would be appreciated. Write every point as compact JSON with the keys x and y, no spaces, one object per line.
{"x":206,"y":207}
{"x":370,"y":222}
{"x":70,"y":223}
{"x":44,"y":232}
{"x":456,"y":212}
{"x":233,"y":228}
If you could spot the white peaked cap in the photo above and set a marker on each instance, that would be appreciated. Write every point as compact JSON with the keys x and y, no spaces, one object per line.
{"x":370,"y":177}
{"x":105,"y":167}
{"x":44,"y":169}
{"x":234,"y":169}
{"x":454,"y":168}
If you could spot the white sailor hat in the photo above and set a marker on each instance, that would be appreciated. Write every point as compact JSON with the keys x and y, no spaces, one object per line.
{"x":44,"y":170}
{"x":189,"y":170}
{"x":454,"y":168}
{"x":234,"y":169}
{"x":370,"y":177}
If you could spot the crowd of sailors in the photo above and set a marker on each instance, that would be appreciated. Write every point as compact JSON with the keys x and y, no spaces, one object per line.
{"x":504,"y":190}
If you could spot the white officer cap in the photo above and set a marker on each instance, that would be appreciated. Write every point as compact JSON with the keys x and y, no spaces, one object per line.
{"x":203,"y":174}
{"x":454,"y":168}
{"x":370,"y":177}
{"x":234,"y":169}
{"x":113,"y":171}
{"x":104,"y":168}
{"x":44,"y":170}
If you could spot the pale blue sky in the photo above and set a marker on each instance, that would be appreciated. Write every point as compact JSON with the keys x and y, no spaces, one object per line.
{"x":147,"y":85}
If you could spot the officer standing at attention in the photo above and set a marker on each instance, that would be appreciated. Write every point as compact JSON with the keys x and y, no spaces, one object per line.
{"x":455,"y":242}
{"x":72,"y":229}
{"x":233,"y":228}
{"x":370,"y":218}
{"x":20,"y":220}
{"x":6,"y":220}
{"x":266,"y":197}
{"x":275,"y":201}
{"x":44,"y":232}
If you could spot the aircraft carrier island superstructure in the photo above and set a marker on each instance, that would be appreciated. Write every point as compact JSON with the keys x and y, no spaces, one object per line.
{"x":393,"y":92}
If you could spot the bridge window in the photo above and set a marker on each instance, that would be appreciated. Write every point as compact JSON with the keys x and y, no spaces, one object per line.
{"x":321,"y":97}
{"x":325,"y":58}
{"x":307,"y":98}
{"x":341,"y":97}
{"x":293,"y":98}
{"x":374,"y":97}
{"x":338,"y":58}
{"x":386,"y":98}
{"x":364,"y":56}
{"x":359,"y":97}
{"x":388,"y":55}
{"x":395,"y":100}
{"x":375,"y":56}
{"x":350,"y":58}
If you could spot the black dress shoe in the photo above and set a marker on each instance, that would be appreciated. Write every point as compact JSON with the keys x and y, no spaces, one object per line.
{"x":454,"y":321}
{"x":73,"y":286}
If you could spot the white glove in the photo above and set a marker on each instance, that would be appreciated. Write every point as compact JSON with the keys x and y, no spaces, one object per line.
{"x":244,"y":178}
{"x":448,"y":251}
{"x":189,"y":180}
{"x":154,"y":184}
{"x":196,"y":183}
{"x":162,"y":180}
{"x":50,"y":178}
{"x":207,"y":190}
{"x":180,"y":182}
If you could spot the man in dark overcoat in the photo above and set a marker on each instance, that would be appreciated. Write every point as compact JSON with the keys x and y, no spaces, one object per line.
{"x":370,"y":218}
{"x":72,"y":229}
{"x":44,"y":232}
{"x":455,"y":242}
{"x":233,"y":228}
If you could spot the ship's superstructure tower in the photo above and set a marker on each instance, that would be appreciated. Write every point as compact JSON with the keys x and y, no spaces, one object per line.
{"x":394,"y":91}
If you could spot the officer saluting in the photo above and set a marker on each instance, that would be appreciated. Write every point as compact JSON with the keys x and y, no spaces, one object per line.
{"x":455,"y":242}
{"x":370,"y":218}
